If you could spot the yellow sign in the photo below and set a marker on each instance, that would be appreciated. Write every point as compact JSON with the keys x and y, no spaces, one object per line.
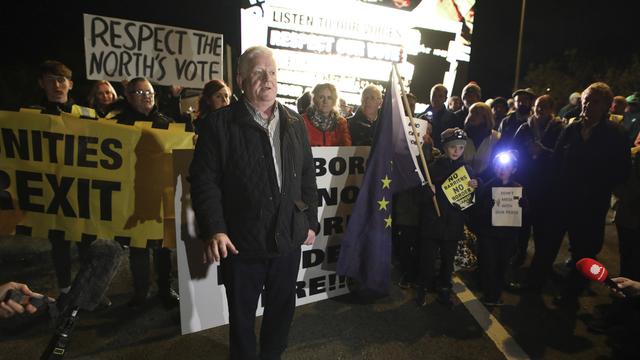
{"x":86,"y":177}
{"x":457,"y":190}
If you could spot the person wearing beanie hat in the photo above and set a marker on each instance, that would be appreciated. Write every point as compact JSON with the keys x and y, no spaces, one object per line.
{"x":441,"y":233}
{"x":631,"y":117}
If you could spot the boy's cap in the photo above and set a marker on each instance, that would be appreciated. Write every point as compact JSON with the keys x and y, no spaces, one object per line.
{"x":453,"y":135}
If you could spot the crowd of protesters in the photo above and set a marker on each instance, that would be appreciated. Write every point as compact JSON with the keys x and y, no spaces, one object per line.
{"x":569,"y":163}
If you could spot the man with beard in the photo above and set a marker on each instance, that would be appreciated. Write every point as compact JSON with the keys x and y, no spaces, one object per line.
{"x":509,"y":125}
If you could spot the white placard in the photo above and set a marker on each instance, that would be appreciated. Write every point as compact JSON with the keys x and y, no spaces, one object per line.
{"x":507,"y":210}
{"x":120,"y":49}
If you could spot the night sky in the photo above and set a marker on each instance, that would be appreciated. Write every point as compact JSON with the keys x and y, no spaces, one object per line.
{"x":602,"y":30}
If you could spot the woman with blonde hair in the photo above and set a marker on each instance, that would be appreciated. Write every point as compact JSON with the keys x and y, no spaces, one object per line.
{"x":102,"y":97}
{"x":325,"y":126}
{"x":482,"y":139}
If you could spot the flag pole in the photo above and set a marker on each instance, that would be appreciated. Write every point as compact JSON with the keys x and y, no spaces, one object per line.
{"x":408,"y":111}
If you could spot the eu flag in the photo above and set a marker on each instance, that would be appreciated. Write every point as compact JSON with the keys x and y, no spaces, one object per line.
{"x":365,"y":254}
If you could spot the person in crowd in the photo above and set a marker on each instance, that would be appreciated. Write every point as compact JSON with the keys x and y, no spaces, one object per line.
{"x":254,"y":194}
{"x":591,"y":158}
{"x":618,"y":105}
{"x":346,"y":111}
{"x":524,"y":99}
{"x":9,"y":307}
{"x":500,"y":109}
{"x":103,"y":99}
{"x":215,"y":95}
{"x":479,"y":149}
{"x":362,"y":125}
{"x":497,"y":244}
{"x":140,"y":106}
{"x":572,"y":109}
{"x":55,"y":80}
{"x":406,"y":228}
{"x":512,"y":107}
{"x":534,"y":141}
{"x":303,"y":102}
{"x":454,"y":103}
{"x":325,"y":126}
{"x":627,"y":221}
{"x":471,"y":94}
{"x":437,"y":114}
{"x":441,"y":233}
{"x":631,"y":117}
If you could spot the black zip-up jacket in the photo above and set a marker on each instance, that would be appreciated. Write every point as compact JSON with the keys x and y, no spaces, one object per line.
{"x":129,"y":116}
{"x":234,"y":188}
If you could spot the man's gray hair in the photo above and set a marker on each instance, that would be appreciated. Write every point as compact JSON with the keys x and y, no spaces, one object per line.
{"x":245,"y":59}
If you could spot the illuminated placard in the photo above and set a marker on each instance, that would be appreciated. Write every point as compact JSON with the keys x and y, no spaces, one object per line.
{"x":352,"y":43}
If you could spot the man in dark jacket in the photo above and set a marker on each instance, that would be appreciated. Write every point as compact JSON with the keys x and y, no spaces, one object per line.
{"x":471,"y":94}
{"x":437,"y":114}
{"x":141,"y":106}
{"x":253,"y":190}
{"x":523,"y":99}
{"x":591,"y":158}
{"x":362,"y":125}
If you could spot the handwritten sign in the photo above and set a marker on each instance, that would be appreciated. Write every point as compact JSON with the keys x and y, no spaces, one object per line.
{"x":507,"y":210}
{"x":457,"y":190}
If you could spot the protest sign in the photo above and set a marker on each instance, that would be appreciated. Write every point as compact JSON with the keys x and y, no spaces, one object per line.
{"x":507,"y":210}
{"x":203,"y":304}
{"x":85,"y":178}
{"x":119,"y":49}
{"x":457,"y":190}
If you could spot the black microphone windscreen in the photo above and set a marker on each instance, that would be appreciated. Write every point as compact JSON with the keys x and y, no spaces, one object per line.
{"x":95,"y":274}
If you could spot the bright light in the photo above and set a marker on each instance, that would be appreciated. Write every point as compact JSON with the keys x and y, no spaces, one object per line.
{"x":504,"y":158}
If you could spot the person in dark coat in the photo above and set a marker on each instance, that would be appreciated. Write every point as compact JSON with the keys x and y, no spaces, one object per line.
{"x":437,"y":114}
{"x":362,"y":125}
{"x":441,"y":233}
{"x":523,"y":100}
{"x":254,"y":194}
{"x":497,"y":244}
{"x":591,"y":158}
{"x":141,"y":106}
{"x":471,"y":94}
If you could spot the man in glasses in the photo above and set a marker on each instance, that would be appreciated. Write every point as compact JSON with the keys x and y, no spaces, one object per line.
{"x":141,"y":105}
{"x":55,"y":80}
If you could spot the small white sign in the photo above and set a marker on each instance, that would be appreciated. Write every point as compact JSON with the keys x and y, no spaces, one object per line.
{"x":506,"y":210}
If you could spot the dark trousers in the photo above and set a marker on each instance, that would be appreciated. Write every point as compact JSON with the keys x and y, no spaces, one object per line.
{"x":61,"y":257}
{"x":629,"y":245}
{"x":407,"y":250}
{"x":523,"y":243}
{"x":139,"y":265}
{"x":586,"y":236}
{"x":429,"y":248}
{"x":244,"y":281}
{"x":495,"y":256}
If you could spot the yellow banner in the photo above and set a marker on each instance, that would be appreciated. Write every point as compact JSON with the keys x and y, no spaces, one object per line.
{"x":457,"y":190}
{"x":86,"y":177}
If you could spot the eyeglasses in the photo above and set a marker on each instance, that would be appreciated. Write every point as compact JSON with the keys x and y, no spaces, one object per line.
{"x":143,"y":93}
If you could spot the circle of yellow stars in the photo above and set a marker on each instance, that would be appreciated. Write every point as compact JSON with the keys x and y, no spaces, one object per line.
{"x":386,"y":184}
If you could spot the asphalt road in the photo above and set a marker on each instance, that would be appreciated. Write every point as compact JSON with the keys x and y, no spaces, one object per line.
{"x":347,"y":327}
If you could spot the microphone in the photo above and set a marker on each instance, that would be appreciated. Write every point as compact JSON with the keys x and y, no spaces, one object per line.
{"x":88,"y":288}
{"x":593,"y":270}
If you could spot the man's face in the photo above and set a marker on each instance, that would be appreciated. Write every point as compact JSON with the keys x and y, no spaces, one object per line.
{"x":454,"y":151}
{"x":141,"y":97}
{"x":523,"y":103}
{"x":260,"y":84}
{"x":56,"y":87}
{"x":594,"y":105}
{"x":438,"y":97}
{"x":470,"y":98}
{"x":499,"y":111}
{"x":372,"y":101}
{"x":543,"y":108}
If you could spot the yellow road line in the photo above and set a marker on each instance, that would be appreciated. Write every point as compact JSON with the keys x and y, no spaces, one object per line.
{"x":503,"y":340}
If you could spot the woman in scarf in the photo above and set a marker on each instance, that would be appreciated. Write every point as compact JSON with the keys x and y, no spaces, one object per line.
{"x":325,"y":126}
